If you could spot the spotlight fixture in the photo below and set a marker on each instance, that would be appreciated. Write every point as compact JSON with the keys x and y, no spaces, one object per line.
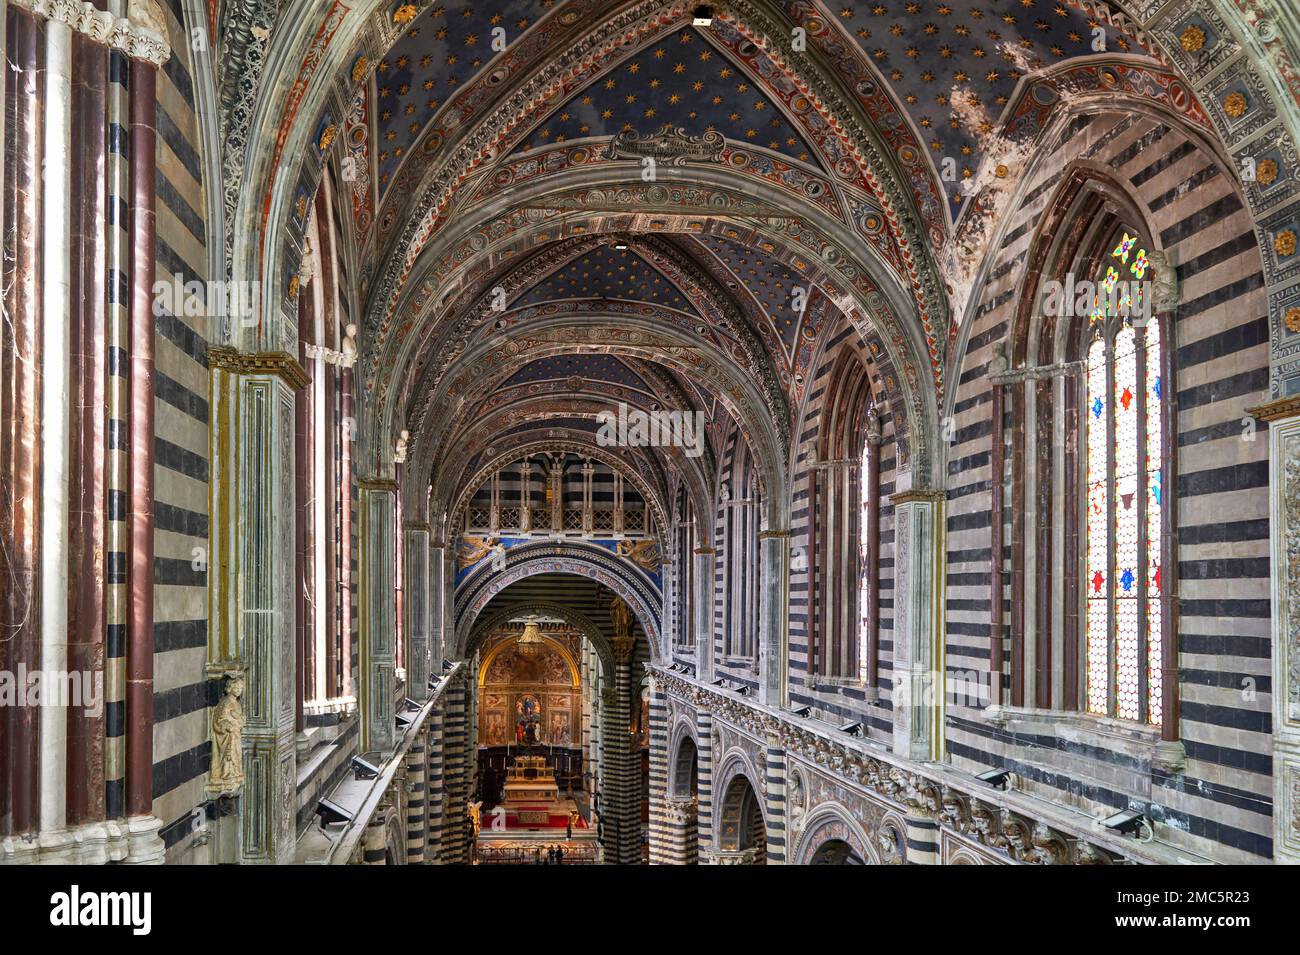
{"x":1129,"y":822}
{"x":403,"y":721}
{"x":742,"y":690}
{"x":853,"y":729}
{"x":434,"y":681}
{"x":447,"y":665}
{"x":410,"y":704}
{"x":620,"y":246}
{"x":362,"y":769}
{"x":997,"y":778}
{"x":702,"y":17}
{"x":804,"y":711}
{"x":719,"y":682}
{"x":331,"y":812}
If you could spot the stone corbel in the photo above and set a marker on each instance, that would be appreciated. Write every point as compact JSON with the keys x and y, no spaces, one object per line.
{"x":1049,"y":848}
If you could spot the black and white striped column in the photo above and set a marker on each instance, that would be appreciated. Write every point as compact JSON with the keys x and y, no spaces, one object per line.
{"x":456,"y":765}
{"x":681,"y":840}
{"x":620,"y":788}
{"x":417,"y":804}
{"x":375,"y":840}
{"x":775,"y":797}
{"x":662,"y":836}
{"x":704,"y":788}
{"x":922,"y":838}
{"x":434,"y":792}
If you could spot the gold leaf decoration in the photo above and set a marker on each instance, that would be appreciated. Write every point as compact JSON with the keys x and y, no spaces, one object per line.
{"x":405,"y":13}
{"x":1193,"y":39}
{"x":1266,"y":171}
{"x":327,"y":137}
{"x":1234,"y":104}
{"x":359,"y":69}
{"x":1292,"y":319}
{"x":1284,"y":243}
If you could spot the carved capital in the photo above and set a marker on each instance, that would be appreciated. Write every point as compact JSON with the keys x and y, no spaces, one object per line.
{"x":623,"y":647}
{"x":141,"y":35}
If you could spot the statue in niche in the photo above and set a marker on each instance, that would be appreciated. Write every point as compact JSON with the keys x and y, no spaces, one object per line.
{"x":1164,"y":294}
{"x":227,"y":772}
{"x":795,"y":797}
{"x":891,"y":851}
{"x":621,"y":616}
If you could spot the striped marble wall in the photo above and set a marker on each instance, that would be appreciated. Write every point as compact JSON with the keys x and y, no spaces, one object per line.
{"x":182,"y":693}
{"x":1222,"y":803}
{"x":839,"y":701}
{"x":733,"y":474}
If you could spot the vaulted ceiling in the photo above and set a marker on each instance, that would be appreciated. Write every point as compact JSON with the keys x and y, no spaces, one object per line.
{"x":518,"y":270}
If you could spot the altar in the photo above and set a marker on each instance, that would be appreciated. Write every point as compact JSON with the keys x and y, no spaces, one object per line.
{"x":530,"y":781}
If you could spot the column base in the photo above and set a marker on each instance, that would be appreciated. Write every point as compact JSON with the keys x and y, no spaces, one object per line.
{"x":17,"y":850}
{"x":93,"y":843}
{"x":57,"y":847}
{"x":144,"y":845}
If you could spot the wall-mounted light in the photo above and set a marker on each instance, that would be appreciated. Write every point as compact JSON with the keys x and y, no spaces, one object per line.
{"x":997,"y":778}
{"x":702,"y":17}
{"x":331,"y":812}
{"x":1129,"y":822}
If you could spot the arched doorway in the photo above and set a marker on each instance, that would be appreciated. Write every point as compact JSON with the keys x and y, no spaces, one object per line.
{"x":576,"y":721}
{"x":682,"y":805}
{"x":742,"y":833}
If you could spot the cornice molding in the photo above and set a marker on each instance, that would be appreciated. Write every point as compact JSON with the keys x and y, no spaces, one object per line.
{"x":278,"y":363}
{"x":377,"y":484}
{"x":1277,"y":410}
{"x":917,"y":495}
{"x":1016,"y":826}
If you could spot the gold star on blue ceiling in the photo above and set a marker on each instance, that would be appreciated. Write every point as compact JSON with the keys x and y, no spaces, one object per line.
{"x":681,"y":80}
{"x":954,"y":64}
{"x":441,"y":51}
{"x":771,"y":283}
{"x":608,"y":273}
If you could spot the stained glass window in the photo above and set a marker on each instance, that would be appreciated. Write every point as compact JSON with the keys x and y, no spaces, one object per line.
{"x":1125,"y":492}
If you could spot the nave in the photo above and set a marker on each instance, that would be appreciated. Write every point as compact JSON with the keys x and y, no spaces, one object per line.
{"x":575,"y":432}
